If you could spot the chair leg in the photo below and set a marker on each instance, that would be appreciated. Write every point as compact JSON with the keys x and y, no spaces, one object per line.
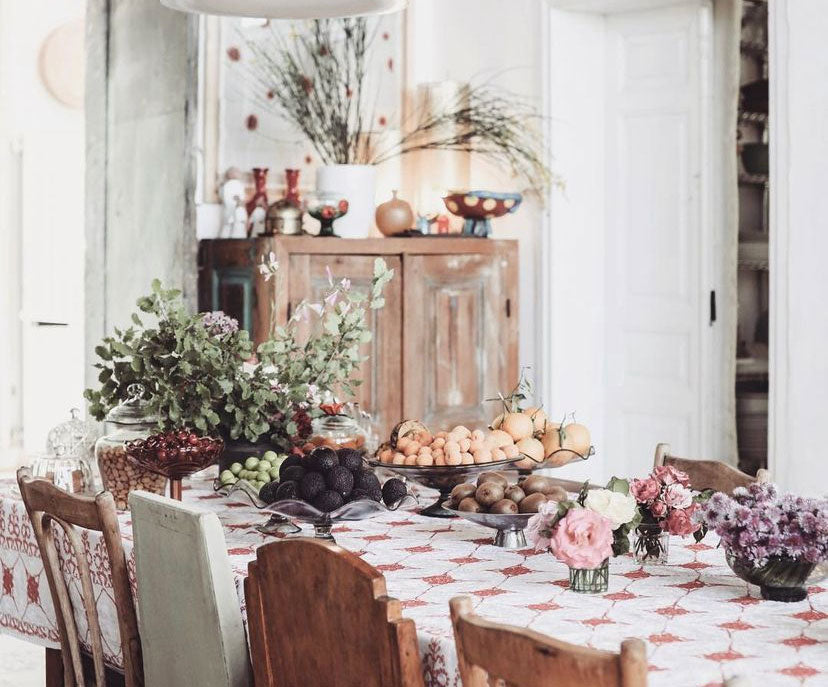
{"x":54,"y":668}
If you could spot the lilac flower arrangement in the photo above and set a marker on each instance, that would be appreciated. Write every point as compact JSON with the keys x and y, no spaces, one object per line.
{"x":758,"y":523}
{"x":219,"y":324}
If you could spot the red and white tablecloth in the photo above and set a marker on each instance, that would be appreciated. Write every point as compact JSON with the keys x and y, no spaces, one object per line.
{"x":701,"y":624}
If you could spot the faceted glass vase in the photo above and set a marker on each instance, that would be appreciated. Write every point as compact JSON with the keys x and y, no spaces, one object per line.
{"x":590,"y":580}
{"x":651,"y":545}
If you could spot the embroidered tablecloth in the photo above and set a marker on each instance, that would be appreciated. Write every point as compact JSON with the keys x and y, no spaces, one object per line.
{"x":701,"y":624}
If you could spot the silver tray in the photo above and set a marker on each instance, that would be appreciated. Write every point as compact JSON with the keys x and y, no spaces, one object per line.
{"x":285,"y":512}
{"x":443,"y":478}
{"x":509,"y":526}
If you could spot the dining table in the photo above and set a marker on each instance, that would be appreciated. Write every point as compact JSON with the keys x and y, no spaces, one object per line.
{"x":702,"y":625}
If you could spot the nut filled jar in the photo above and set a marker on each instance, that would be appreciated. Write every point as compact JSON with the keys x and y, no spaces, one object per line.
{"x":130,"y":420}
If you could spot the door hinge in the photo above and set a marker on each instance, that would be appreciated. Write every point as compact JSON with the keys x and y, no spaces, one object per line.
{"x":508,"y":307}
{"x":712,"y":307}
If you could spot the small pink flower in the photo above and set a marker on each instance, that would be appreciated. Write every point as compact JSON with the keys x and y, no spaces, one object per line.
{"x":658,"y":508}
{"x":583,"y":539}
{"x":680,"y":521}
{"x":331,"y":298}
{"x":645,"y":490}
{"x":539,"y":526}
{"x":667,"y":474}
{"x":677,"y":496}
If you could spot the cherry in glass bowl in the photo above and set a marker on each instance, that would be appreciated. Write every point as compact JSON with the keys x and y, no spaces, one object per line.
{"x":175,"y":455}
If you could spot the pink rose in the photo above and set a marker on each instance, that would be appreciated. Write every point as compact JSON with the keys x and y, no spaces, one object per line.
{"x":583,"y":539}
{"x":658,"y":508}
{"x":667,"y":474}
{"x":680,"y":522}
{"x":645,"y":490}
{"x":677,"y":496}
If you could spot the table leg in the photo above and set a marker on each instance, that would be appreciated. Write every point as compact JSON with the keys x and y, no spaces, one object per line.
{"x":54,"y":668}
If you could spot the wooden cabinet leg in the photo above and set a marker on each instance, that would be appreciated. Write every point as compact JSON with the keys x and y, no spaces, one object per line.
{"x":54,"y":668}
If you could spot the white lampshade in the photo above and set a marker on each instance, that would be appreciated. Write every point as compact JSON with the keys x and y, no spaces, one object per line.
{"x":288,"y":9}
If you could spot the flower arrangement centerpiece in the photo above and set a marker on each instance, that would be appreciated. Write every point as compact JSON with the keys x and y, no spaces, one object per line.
{"x":770,"y":539}
{"x":667,"y":505}
{"x":200,"y":370}
{"x":585,"y":532}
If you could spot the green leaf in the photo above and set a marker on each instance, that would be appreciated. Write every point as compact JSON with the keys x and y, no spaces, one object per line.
{"x":618,"y":485}
{"x":103,"y":352}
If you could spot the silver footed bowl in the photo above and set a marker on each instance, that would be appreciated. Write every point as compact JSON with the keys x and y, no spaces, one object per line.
{"x":288,"y":511}
{"x":509,"y":526}
{"x":323,"y":521}
{"x":443,"y":478}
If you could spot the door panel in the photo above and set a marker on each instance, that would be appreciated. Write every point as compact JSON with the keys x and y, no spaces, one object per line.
{"x":380,"y":392}
{"x":655,"y":235}
{"x":460,"y":339}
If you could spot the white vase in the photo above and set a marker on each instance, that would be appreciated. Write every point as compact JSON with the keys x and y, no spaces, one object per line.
{"x":357,"y":183}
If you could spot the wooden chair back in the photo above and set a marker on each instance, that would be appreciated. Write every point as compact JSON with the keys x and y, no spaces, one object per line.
{"x":343,"y":628}
{"x":49,"y":507}
{"x":708,"y":474}
{"x":185,"y":591}
{"x":488,"y":653}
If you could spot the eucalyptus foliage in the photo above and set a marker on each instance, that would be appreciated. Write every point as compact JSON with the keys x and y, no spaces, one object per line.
{"x":218,"y":382}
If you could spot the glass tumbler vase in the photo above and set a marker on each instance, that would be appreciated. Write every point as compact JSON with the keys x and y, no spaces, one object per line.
{"x":651,"y":545}
{"x":590,"y":580}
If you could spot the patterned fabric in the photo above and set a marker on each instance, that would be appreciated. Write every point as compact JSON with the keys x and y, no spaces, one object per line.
{"x":701,"y":624}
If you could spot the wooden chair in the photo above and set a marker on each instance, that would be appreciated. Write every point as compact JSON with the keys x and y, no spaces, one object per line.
{"x":49,"y":506}
{"x":186,"y":592}
{"x":708,"y":474}
{"x":488,"y":652}
{"x":318,"y":615}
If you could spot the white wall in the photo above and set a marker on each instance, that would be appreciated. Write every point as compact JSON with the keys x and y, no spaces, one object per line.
{"x":28,"y":116}
{"x":489,"y":40}
{"x":799,"y":244}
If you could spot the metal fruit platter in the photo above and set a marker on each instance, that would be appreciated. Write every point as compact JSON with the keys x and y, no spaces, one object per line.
{"x":509,"y":526}
{"x":443,"y":478}
{"x":286,"y":513}
{"x":556,"y":459}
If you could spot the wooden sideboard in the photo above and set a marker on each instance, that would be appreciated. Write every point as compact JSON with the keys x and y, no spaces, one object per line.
{"x":446,"y":340}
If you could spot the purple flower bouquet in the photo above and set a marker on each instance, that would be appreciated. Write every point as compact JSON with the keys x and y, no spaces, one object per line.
{"x":771,"y":539}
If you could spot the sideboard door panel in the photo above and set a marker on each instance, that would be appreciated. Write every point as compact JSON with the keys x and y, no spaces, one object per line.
{"x":380,"y":392}
{"x":459,"y":340}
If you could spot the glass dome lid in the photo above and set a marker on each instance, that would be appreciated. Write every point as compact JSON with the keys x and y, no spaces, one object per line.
{"x":73,"y":437}
{"x":133,"y":410}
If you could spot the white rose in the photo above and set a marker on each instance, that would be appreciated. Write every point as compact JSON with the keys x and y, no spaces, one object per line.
{"x":616,"y":507}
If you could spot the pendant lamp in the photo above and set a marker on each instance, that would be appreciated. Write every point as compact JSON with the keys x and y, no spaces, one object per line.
{"x":288,"y":9}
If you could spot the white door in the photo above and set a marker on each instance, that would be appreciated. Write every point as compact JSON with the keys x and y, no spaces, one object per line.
{"x":52,"y":211}
{"x":657,"y":290}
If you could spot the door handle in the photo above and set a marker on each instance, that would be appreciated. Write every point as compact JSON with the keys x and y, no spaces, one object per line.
{"x":40,"y":323}
{"x":712,"y":307}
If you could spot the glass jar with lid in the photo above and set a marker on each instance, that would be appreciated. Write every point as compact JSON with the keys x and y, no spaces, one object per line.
{"x":132,"y":419}
{"x":342,"y":426}
{"x":66,"y":462}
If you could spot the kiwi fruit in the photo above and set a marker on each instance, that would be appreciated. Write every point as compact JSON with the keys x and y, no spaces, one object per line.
{"x":557,"y":494}
{"x":489,"y":493}
{"x":532,"y":502}
{"x":462,"y":491}
{"x":515,"y":493}
{"x":537,"y":484}
{"x":494,"y":476}
{"x":469,"y":505}
{"x":504,"y":506}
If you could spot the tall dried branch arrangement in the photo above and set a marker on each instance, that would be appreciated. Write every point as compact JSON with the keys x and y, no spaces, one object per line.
{"x":316,"y":80}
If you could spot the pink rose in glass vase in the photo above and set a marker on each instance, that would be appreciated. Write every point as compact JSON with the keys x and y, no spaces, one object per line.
{"x":582,"y":539}
{"x":667,"y":474}
{"x":680,"y":521}
{"x":677,"y":496}
{"x":658,"y":508}
{"x":645,"y":490}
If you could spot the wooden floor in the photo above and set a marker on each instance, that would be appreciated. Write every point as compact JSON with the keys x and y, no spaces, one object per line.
{"x":22,"y":663}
